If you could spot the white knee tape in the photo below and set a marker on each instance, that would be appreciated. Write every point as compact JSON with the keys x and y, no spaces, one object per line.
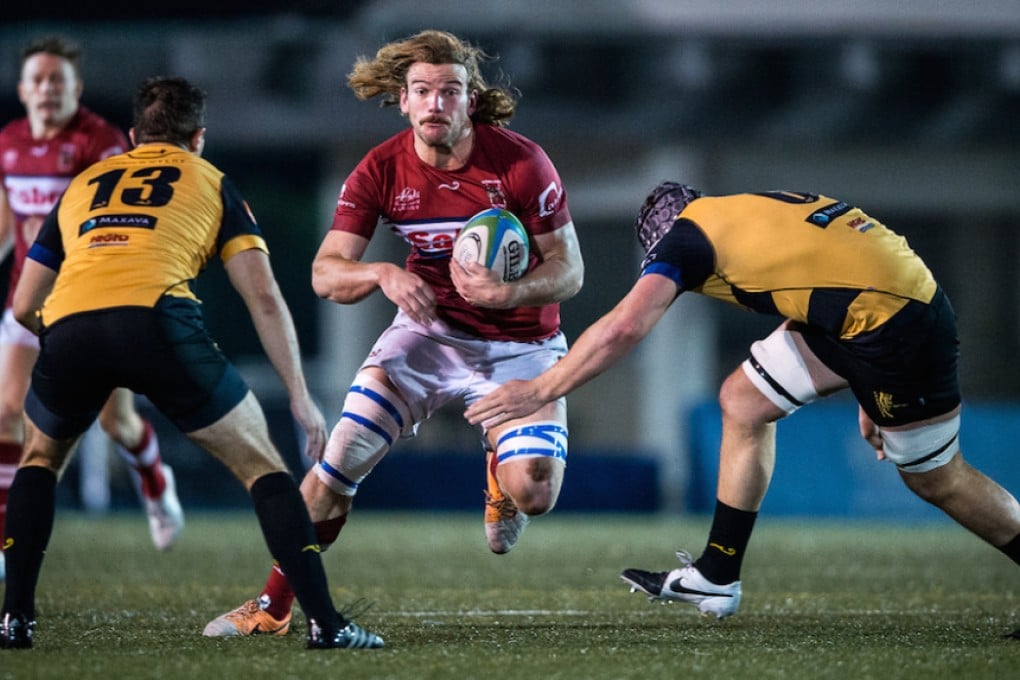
{"x":923,"y":448}
{"x":777,"y":369}
{"x":547,"y":438}
{"x":373,"y":418}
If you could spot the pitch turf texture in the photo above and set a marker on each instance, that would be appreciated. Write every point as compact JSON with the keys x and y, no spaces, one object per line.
{"x":821,"y":600}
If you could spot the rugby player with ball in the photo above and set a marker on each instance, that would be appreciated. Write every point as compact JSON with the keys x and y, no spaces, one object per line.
{"x":460,"y":329}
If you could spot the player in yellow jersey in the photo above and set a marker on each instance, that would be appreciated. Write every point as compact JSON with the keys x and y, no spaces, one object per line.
{"x":107,"y":286}
{"x":861,"y":311}
{"x":39,"y":154}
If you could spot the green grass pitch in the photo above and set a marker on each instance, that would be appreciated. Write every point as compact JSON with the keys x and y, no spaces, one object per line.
{"x":821,"y":600}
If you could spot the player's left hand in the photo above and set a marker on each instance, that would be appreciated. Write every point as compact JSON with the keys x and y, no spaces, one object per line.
{"x":480,"y":286}
{"x":515,"y":399}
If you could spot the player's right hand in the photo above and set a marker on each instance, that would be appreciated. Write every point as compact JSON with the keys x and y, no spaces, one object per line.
{"x":871,"y":433}
{"x":312,"y":423}
{"x":514,"y":399}
{"x":410,"y":293}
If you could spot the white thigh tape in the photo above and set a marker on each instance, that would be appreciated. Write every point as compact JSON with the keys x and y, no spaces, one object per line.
{"x":777,"y":369}
{"x":923,"y":448}
{"x":372,"y":419}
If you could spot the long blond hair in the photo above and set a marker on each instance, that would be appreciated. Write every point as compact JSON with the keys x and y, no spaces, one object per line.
{"x":386,"y":74}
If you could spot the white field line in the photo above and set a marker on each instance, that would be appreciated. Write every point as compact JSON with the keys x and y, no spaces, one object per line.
{"x":489,"y":613}
{"x":493,"y":613}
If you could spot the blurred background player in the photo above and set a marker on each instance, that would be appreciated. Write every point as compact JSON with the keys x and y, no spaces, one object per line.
{"x":168,"y":211}
{"x":862,"y":311}
{"x":458,"y":333}
{"x":39,"y":154}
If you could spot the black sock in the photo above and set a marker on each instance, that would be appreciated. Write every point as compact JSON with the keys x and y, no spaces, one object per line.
{"x":1012,"y":549}
{"x":727,"y":542}
{"x":291,"y":540}
{"x":31,"y":505}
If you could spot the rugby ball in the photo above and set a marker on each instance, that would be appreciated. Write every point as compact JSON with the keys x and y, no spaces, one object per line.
{"x":496,"y":239}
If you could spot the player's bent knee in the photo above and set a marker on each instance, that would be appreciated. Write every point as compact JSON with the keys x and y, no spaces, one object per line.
{"x":934,"y":486}
{"x":533,"y":483}
{"x":36,"y":459}
{"x":542,"y":447}
{"x":250,"y":463}
{"x":736,"y":393}
{"x":373,"y":417}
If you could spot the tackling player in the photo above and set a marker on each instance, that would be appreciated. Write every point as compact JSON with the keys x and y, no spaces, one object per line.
{"x":458,"y":332}
{"x":862,"y":311}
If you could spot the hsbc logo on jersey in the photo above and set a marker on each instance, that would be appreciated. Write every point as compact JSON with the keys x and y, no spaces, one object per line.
{"x":34,"y":195}
{"x":549,"y":200}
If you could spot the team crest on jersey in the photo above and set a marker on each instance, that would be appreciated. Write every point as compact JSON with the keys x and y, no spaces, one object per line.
{"x":65,"y":158}
{"x":886,"y":403}
{"x":494,"y":188}
{"x":407,"y":200}
{"x":10,"y":158}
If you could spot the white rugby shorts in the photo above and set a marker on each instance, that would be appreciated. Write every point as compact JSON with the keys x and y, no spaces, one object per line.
{"x":435,"y":364}
{"x":13,"y":333}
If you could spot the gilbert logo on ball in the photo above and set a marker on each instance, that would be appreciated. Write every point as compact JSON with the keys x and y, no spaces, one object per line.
{"x":496,"y":239}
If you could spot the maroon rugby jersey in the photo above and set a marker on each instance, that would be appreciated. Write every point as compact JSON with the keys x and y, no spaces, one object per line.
{"x":35,"y":172}
{"x":427,"y":206}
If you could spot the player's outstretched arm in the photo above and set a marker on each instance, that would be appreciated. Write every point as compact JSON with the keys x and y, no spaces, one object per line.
{"x":252,"y":276}
{"x":598,"y":348}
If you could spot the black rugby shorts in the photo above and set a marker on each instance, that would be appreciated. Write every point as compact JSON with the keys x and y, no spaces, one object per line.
{"x":164,"y":353}
{"x":903,"y":372}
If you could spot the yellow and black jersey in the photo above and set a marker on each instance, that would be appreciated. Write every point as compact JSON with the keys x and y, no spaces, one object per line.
{"x":137,"y":226}
{"x":806,"y":257}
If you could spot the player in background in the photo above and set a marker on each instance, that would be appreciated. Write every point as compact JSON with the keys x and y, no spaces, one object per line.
{"x":119,"y":251}
{"x":458,"y":333}
{"x":39,"y":154}
{"x":861,"y":311}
